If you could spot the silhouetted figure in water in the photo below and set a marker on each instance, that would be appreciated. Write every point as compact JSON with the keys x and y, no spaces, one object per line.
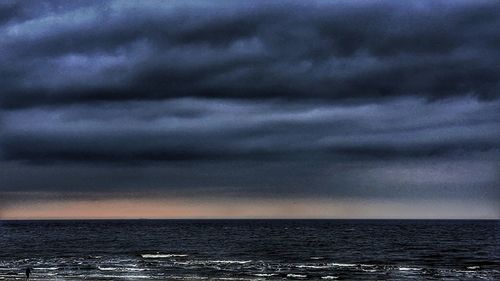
{"x":28,"y":273}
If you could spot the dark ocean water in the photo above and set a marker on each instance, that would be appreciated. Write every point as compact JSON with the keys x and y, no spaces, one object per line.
{"x":251,"y":250}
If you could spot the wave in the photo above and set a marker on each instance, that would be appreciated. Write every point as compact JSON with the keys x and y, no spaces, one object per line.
{"x":409,"y":268}
{"x":107,"y":268}
{"x":232,"y":278}
{"x":265,"y":274}
{"x":135,"y":269}
{"x":132,"y":277}
{"x":46,"y":268}
{"x":369,"y":270}
{"x":230,"y":261}
{"x":161,"y":256}
{"x":191,"y":277}
{"x":312,"y":266}
{"x":291,"y":275}
{"x":343,"y":264}
{"x":329,"y":277}
{"x":473,"y":267}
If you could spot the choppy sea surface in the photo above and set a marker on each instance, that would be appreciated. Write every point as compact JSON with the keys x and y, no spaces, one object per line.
{"x":251,"y":250}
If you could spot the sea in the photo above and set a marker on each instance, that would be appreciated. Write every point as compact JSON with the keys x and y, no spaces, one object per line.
{"x":251,"y":250}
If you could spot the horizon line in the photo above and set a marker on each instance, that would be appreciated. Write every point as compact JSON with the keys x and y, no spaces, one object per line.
{"x":233,"y":218}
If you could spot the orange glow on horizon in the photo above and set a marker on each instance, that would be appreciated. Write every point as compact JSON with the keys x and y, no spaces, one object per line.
{"x":159,"y":209}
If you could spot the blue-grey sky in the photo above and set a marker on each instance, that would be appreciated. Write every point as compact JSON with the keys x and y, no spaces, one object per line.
{"x":228,"y":101}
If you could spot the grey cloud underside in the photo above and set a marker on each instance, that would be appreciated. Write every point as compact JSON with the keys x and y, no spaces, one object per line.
{"x":96,"y":51}
{"x":220,"y":130}
{"x":405,"y":148}
{"x":434,"y":179}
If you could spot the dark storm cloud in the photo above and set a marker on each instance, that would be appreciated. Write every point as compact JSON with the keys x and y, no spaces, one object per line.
{"x":58,"y":53}
{"x":205,"y":130}
{"x":9,"y":10}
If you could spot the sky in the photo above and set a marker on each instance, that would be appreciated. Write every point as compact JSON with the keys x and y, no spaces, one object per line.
{"x":249,"y":109}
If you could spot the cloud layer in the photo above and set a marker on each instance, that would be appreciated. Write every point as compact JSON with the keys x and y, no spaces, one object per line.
{"x":55,"y":53}
{"x":282,"y":99}
{"x":217,"y":130}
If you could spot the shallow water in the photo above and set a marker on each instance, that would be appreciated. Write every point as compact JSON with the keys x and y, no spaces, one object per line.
{"x":251,"y":250}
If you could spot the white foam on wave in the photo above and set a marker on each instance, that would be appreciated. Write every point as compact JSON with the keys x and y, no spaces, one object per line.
{"x":118,"y":276}
{"x":230,"y":261}
{"x":291,"y":275}
{"x":368,"y":270}
{"x":465,"y":271}
{"x":317,"y":258}
{"x":135,"y":269}
{"x":46,"y":268}
{"x":409,"y":268}
{"x":161,"y":256}
{"x":265,"y":274}
{"x":212,"y":262}
{"x":343,"y":264}
{"x":312,"y":266}
{"x":473,"y":267}
{"x":120,"y":269}
{"x":107,"y":268}
{"x":329,"y":277}
{"x":233,"y":278}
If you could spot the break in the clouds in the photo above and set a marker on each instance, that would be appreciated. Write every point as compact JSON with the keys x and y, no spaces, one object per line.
{"x":254,"y":99}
